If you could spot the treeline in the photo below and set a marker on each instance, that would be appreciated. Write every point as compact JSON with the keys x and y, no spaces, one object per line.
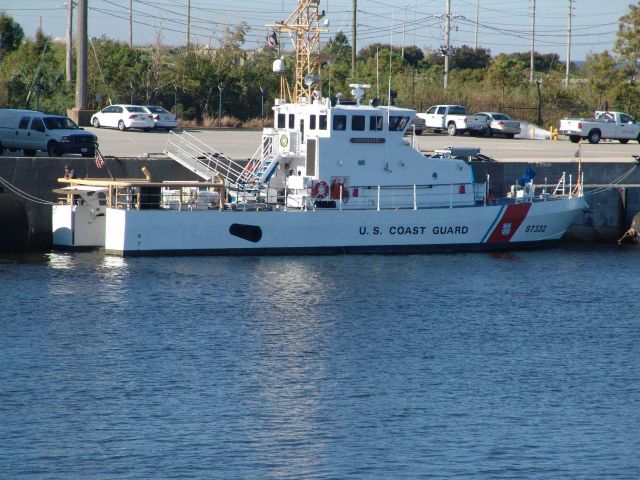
{"x":200,"y":81}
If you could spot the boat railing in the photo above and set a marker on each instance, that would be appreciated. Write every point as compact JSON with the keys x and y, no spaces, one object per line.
{"x":530,"y":192}
{"x":389,"y":197}
{"x":368,"y":197}
{"x":167,"y":198}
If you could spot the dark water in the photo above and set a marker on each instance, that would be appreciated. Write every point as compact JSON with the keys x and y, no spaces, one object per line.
{"x":466,"y":366}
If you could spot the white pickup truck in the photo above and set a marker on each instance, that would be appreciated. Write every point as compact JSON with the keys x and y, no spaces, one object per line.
{"x":453,"y":119}
{"x":615,"y":125}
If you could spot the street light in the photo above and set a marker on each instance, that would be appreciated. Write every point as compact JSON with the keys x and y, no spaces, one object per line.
{"x":221,"y":89}
{"x":262,"y":106}
{"x":175,"y":99}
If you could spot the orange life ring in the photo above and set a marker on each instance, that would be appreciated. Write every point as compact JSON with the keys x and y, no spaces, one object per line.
{"x":320,"y":189}
{"x":336,"y":186}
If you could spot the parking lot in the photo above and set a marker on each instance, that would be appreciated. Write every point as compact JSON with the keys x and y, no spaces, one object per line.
{"x":241,"y":144}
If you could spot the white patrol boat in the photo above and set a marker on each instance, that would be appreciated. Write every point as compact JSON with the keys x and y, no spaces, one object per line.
{"x":328,"y":178}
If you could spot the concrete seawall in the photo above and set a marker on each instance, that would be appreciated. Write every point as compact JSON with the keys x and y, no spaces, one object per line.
{"x":612,"y":209}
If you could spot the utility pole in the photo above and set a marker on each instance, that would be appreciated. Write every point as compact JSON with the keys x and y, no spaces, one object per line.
{"x":81,"y":50}
{"x":354,"y":32}
{"x":403,"y":28}
{"x":447,"y":35}
{"x":69,"y":63}
{"x":566,"y":79}
{"x":130,"y":23}
{"x":475,"y":42}
{"x":533,"y":37}
{"x":188,"y":22}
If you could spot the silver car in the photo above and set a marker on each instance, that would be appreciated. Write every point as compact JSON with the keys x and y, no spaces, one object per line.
{"x":502,"y":124}
{"x":162,"y":118}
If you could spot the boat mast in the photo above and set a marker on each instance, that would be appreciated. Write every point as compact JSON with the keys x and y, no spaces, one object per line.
{"x":304,"y":28}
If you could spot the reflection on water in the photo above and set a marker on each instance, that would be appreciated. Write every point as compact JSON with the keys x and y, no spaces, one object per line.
{"x":62,"y":261}
{"x":432,"y":366}
{"x":112,"y":265}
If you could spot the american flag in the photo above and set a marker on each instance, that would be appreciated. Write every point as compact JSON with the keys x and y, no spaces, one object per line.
{"x":99,"y":159}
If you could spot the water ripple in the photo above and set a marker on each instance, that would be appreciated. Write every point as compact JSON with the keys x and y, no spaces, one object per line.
{"x":503,"y":366}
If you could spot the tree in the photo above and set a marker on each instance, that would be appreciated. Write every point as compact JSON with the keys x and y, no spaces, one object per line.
{"x":542,"y":62}
{"x":507,"y":71}
{"x":119,"y":75}
{"x":338,"y":49}
{"x":12,"y":34}
{"x":601,"y":74}
{"x":33,"y":76}
{"x":467,"y":57}
{"x":413,"y":55}
{"x":628,"y":39}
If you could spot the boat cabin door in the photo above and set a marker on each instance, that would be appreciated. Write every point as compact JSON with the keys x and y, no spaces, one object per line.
{"x":311,"y":158}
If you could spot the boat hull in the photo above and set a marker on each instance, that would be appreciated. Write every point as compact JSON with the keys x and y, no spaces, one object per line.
{"x":498,"y":227}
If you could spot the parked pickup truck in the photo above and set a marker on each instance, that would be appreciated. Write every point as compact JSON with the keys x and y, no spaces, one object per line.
{"x":453,"y":119}
{"x":30,"y":131}
{"x":615,"y":125}
{"x":417,"y":126}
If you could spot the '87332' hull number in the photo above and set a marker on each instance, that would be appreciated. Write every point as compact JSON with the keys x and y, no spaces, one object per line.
{"x":536,"y":228}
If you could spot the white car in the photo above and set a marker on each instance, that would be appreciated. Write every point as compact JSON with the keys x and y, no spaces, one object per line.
{"x":501,"y":124}
{"x":162,"y":117}
{"x":123,"y":117}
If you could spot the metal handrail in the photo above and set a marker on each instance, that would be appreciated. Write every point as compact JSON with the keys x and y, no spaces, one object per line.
{"x":257,"y":160}
{"x":198,"y":154}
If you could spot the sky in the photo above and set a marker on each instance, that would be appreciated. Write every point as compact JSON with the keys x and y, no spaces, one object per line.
{"x":503,"y":26}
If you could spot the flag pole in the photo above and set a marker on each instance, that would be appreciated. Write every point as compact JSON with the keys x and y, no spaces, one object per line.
{"x":579,"y":182}
{"x":100,"y":162}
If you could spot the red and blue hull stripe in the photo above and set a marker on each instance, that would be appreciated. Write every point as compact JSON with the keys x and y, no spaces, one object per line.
{"x":506,"y":223}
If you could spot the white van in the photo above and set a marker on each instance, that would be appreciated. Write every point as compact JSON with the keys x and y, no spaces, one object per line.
{"x":30,"y":131}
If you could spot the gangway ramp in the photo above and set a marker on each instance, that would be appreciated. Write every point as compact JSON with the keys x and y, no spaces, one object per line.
{"x":208,"y":163}
{"x":202,"y":159}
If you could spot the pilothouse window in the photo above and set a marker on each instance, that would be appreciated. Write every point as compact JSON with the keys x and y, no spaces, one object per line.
{"x":292,"y":121}
{"x":282,"y":120}
{"x":397,"y":123}
{"x":339,"y":122}
{"x":375,"y":123}
{"x":312,"y":122}
{"x":322,"y":122}
{"x":357,"y":123}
